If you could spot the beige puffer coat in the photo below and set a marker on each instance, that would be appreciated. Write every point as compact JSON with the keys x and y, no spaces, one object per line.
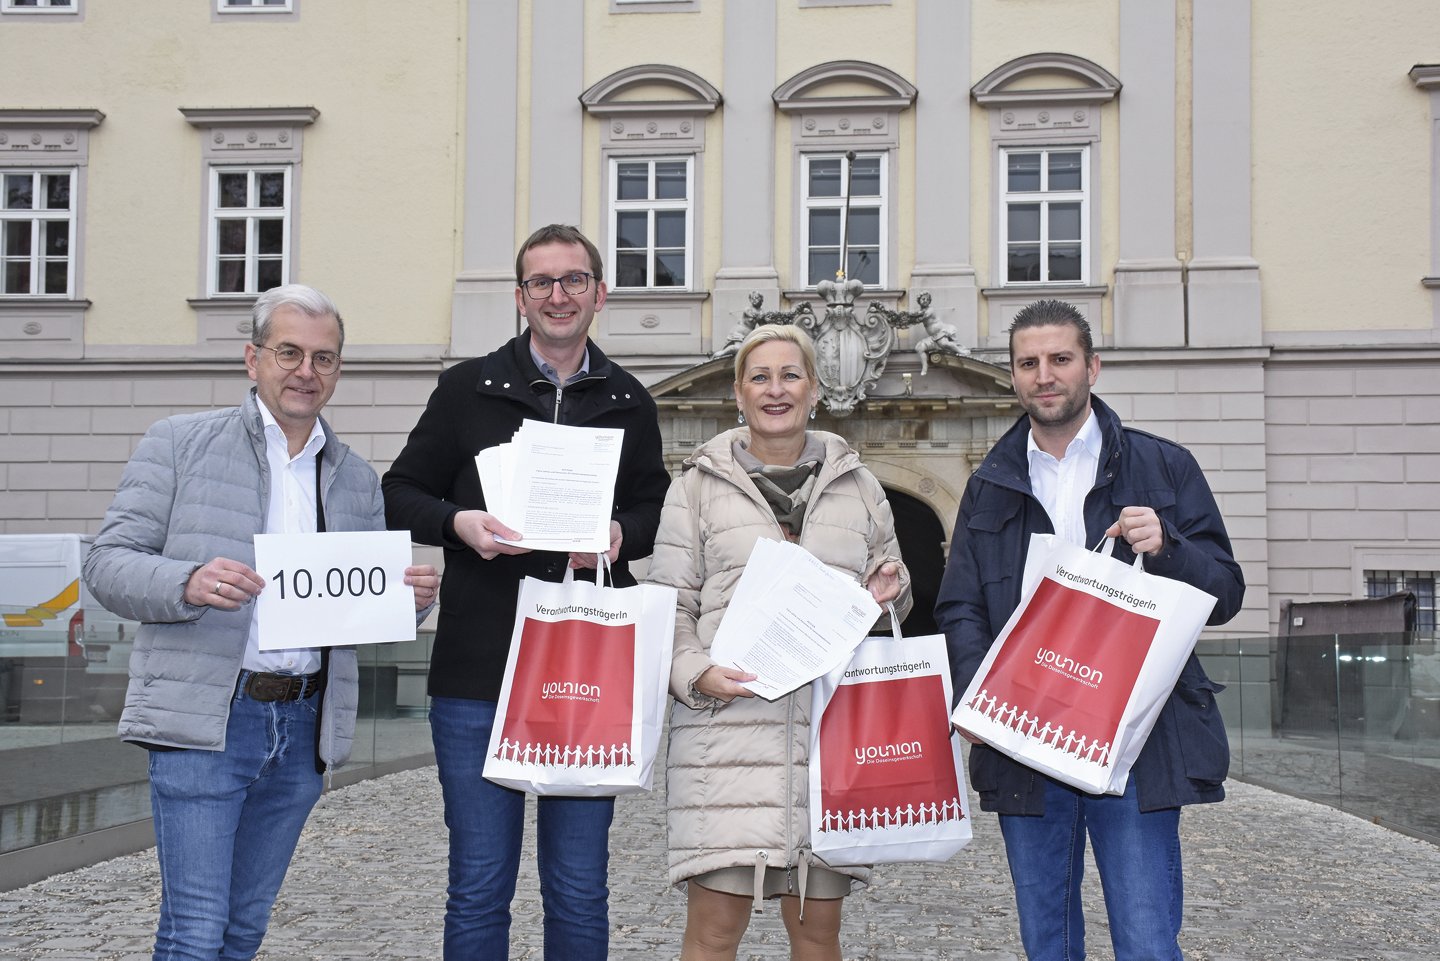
{"x":737,"y":774}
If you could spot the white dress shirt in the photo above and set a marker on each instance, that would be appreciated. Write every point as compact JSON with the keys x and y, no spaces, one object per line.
{"x":1061,"y":485}
{"x":291,"y":511}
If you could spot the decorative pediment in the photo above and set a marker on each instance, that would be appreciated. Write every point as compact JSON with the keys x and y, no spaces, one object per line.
{"x":1049,"y":78}
{"x":651,"y":88}
{"x":844,"y":85}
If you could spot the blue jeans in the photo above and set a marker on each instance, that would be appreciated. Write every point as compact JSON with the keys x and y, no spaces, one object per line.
{"x":226,"y":825}
{"x":486,"y":823}
{"x":1137,"y":856}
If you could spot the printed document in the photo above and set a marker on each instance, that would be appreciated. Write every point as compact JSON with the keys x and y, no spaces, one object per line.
{"x":555,"y":484}
{"x":791,"y":619}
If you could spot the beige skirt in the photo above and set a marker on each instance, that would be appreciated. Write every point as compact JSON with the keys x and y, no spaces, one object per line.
{"x":813,"y":882}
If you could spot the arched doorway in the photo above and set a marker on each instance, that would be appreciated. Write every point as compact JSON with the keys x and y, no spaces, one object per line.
{"x":922,"y":539}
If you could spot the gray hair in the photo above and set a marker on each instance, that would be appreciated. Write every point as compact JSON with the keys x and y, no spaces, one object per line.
{"x":305,"y":299}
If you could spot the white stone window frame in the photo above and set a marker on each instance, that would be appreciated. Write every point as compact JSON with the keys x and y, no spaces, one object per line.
{"x":234,"y":138}
{"x":44,"y":8}
{"x":49,"y":325}
{"x":223,"y":11}
{"x":868,"y":202}
{"x":641,"y":125}
{"x":650,"y":206}
{"x":823,"y":123}
{"x":1427,"y":78}
{"x":1044,"y":198}
{"x":1023,"y":115}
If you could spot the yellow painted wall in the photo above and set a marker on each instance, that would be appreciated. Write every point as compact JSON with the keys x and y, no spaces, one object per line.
{"x":1341,"y":150}
{"x":1003,"y":31}
{"x":806,"y":36}
{"x":376,"y":226}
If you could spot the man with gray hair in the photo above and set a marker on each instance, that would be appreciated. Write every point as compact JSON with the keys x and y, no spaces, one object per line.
{"x":238,"y":737}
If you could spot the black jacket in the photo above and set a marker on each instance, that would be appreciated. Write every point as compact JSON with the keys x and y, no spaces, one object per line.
{"x":481,"y":403}
{"x":1186,"y":757}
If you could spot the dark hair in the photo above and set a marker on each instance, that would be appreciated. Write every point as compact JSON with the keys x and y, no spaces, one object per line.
{"x":1053,"y":313}
{"x":559,"y":234}
{"x":307,"y":300}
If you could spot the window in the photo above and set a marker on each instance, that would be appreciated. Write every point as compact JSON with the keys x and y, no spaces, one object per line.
{"x":38,"y":6}
{"x":650,"y":220}
{"x":1045,"y":228}
{"x":1419,"y":583}
{"x":255,"y":6}
{"x":249,"y":229}
{"x":37,"y":233}
{"x":825,"y":228}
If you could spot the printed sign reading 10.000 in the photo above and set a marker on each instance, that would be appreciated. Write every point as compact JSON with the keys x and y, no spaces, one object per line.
{"x":355,"y":582}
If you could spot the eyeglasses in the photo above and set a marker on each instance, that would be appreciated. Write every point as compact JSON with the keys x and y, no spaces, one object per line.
{"x":540,"y":288}
{"x":323,"y":362}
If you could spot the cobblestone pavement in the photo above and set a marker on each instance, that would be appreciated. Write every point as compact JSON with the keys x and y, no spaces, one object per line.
{"x":1267,"y":877}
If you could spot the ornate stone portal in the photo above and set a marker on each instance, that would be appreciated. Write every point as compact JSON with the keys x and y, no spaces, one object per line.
{"x":851,"y":350}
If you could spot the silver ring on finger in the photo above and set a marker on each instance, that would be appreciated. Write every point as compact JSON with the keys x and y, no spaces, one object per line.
{"x":218,"y":585}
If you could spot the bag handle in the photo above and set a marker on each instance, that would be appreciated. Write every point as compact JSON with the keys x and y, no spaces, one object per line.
{"x":1107,"y":547}
{"x":894,"y":621}
{"x":602,"y":569}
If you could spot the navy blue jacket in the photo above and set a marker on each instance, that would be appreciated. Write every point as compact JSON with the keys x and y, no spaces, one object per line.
{"x":1187,"y":755}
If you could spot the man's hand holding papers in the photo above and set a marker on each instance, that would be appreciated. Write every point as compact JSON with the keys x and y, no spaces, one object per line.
{"x":557,"y":484}
{"x":790,"y":620}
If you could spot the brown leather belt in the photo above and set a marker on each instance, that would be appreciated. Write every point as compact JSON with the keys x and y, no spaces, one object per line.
{"x":278,"y":687}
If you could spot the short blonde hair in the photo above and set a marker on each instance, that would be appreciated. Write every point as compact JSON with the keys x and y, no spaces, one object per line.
{"x":769,"y":332}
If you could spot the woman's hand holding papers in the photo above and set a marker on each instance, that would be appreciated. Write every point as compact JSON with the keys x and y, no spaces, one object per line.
{"x":426,"y":582}
{"x":723,"y":683}
{"x":479,"y":529}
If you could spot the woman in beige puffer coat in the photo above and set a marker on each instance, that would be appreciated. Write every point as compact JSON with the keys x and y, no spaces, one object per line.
{"x":737,"y":770}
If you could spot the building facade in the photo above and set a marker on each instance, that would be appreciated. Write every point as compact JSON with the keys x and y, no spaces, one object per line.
{"x":1243,"y":197}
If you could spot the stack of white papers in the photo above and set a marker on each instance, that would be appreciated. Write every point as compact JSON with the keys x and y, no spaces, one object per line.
{"x":791,"y":619}
{"x":554,"y":484}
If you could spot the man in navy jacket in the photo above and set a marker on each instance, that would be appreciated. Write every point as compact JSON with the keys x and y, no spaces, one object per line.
{"x":1069,"y":466}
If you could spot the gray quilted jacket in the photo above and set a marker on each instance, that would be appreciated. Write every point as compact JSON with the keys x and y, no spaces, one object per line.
{"x":737,"y":773}
{"x":197,"y":488}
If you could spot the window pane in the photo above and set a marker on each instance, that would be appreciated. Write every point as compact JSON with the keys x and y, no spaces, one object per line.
{"x":55,"y":240}
{"x":1023,"y":172}
{"x":270,"y":236}
{"x":864,"y":264}
{"x":1024,"y":264}
{"x":630,"y":270}
{"x":231,"y":277}
{"x":1064,"y":171}
{"x":232,"y":190}
{"x":1064,"y":222}
{"x":632,"y":181}
{"x":824,"y":228}
{"x":670,"y":181}
{"x":1023,"y":222}
{"x":1064,"y":261}
{"x":631,"y":230}
{"x":267,"y":275}
{"x":17,"y":238}
{"x":669,"y":228}
{"x":57,"y":277}
{"x":865,"y":177}
{"x":17,"y":277}
{"x":57,"y":191}
{"x":825,"y":177}
{"x":19,"y":192}
{"x":232,"y":236}
{"x":864,"y":227}
{"x":272,"y":189}
{"x":670,"y":269}
{"x":823,"y":264}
